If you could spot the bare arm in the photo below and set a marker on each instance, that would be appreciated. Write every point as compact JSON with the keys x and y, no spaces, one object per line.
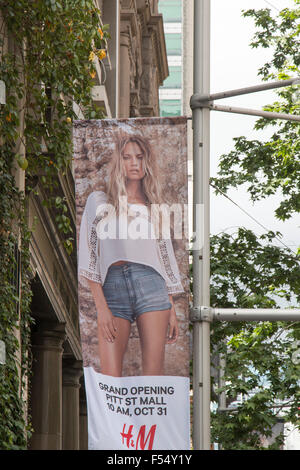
{"x":105,"y":319}
{"x":173,"y":324}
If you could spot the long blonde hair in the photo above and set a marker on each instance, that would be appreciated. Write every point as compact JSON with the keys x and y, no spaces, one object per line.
{"x":151,"y":184}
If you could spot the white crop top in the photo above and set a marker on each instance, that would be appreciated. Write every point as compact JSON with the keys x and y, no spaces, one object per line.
{"x":99,"y":248}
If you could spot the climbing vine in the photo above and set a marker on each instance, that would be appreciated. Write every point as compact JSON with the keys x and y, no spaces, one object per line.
{"x":49,"y":52}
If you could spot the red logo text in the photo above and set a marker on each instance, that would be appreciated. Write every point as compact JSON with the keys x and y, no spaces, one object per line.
{"x":141,"y":440}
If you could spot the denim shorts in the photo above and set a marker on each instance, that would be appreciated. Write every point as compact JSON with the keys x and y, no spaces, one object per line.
{"x":132,"y":289}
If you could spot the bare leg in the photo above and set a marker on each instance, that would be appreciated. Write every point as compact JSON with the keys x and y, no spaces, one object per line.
{"x":153,"y":327}
{"x":112,"y":354}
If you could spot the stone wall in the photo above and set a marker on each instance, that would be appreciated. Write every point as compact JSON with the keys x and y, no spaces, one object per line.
{"x":143,"y":58}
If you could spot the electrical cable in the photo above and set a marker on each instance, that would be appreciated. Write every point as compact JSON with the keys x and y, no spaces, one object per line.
{"x":249,"y":215}
{"x":271,"y":5}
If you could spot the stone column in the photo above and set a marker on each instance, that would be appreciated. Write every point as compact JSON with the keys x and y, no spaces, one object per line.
{"x":149,"y":84}
{"x":124,"y":108}
{"x":46,"y":387}
{"x":72,"y":371}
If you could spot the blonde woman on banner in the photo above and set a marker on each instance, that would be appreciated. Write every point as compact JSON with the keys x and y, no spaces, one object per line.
{"x":131,"y":272}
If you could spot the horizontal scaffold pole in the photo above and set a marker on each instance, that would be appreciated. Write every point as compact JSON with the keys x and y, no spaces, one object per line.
{"x":258,"y":314}
{"x":255,"y":112}
{"x":209,"y":314}
{"x":196,"y":99}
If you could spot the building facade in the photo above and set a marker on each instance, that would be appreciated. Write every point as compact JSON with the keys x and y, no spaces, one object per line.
{"x":171,"y":91}
{"x":177,"y":89}
{"x":126,"y":85}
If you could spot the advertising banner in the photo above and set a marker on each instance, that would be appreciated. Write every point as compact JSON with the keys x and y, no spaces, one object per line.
{"x":133,"y":280}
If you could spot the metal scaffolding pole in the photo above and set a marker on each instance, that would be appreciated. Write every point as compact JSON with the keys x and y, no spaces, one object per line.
{"x":201,"y":264}
{"x":255,"y":112}
{"x":257,"y":314}
{"x":210,"y":314}
{"x":201,"y":314}
{"x":198,"y":98}
{"x":207,"y":100}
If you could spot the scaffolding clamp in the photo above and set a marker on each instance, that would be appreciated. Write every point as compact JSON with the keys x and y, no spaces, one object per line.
{"x":201,"y":313}
{"x":200,"y":101}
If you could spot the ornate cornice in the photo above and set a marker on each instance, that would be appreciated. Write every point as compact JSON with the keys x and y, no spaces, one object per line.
{"x":155,"y":25}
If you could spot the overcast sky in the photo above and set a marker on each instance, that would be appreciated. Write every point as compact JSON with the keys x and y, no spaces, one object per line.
{"x":234,"y":64}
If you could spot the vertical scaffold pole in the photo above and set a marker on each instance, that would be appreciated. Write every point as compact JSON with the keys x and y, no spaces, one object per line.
{"x":201,"y":255}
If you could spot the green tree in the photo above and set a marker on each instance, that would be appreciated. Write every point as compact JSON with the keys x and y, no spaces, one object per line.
{"x":271,"y":166}
{"x":252,"y":272}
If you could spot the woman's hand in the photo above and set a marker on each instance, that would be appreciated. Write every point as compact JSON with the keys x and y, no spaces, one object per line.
{"x":106,"y":324}
{"x":173,"y":325}
{"x":105,"y":319}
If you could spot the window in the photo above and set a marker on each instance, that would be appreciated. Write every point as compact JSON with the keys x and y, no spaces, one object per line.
{"x":173,"y":43}
{"x":174,"y":78}
{"x":170,"y":108}
{"x":171,"y":10}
